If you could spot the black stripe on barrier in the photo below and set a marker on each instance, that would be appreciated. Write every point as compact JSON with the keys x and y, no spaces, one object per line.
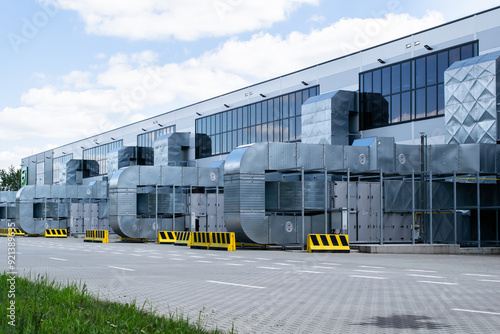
{"x":324,"y":240}
{"x":314,"y":240}
{"x":170,"y":235}
{"x":343,"y":240}
{"x":162,"y":235}
{"x":333,"y":238}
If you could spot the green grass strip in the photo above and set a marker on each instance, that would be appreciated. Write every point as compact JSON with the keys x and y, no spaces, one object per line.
{"x":43,"y":306}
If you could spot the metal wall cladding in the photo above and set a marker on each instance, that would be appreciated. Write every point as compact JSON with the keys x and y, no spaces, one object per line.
{"x":469,"y":161}
{"x":471,"y":100}
{"x":334,"y":157}
{"x":386,"y":150}
{"x":443,"y":158}
{"x":397,"y":227}
{"x":210,"y":177}
{"x":171,"y":175}
{"x":398,"y":195}
{"x":407,"y":158}
{"x":282,"y":156}
{"x":310,"y":156}
{"x":291,"y":196}
{"x":149,"y":176}
{"x":317,"y":120}
{"x":283,"y":229}
{"x":487,"y":158}
{"x":42,"y":191}
{"x":357,"y":158}
{"x":112,"y":163}
{"x":8,"y":196}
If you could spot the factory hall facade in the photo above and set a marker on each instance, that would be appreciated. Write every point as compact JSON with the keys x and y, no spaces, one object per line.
{"x":398,"y":143}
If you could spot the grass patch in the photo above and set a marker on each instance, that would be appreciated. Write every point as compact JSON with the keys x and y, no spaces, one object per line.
{"x":43,"y":306}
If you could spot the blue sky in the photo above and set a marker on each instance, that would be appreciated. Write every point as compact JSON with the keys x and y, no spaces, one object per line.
{"x":73,"y":68}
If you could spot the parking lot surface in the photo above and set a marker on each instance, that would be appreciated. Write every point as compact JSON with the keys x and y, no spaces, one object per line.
{"x":264,"y":291}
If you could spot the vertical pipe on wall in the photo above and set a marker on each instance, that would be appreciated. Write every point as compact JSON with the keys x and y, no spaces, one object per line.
{"x":478,"y":212}
{"x":156,"y":208}
{"x":326,"y":202}
{"x":348,"y":203}
{"x":413,"y":207}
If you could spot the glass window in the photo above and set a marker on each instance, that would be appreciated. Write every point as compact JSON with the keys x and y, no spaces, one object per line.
{"x":276,"y":109}
{"x":258,"y":133}
{"x":420,"y":72}
{"x":270,"y":132}
{"x":420,"y":103}
{"x":217,"y":123}
{"x":264,"y":112}
{"x":431,"y":101}
{"x":396,"y":78}
{"x":258,"y":113}
{"x":285,"y":130}
{"x":405,"y":76}
{"x":454,"y":55}
{"x":264,"y":132}
{"x":229,"y":120}
{"x":431,"y":70}
{"x":252,"y":134}
{"x":240,"y":118}
{"x":298,"y":127}
{"x":252,"y":115}
{"x":284,"y":100}
{"x":277,"y":131}
{"x":440,"y":99}
{"x":245,"y":136}
{"x":291,"y":128}
{"x":396,"y":108}
{"x":377,"y":86}
{"x":466,"y":52}
{"x":270,"y":110}
{"x":235,"y":119}
{"x":298,"y":103}
{"x":405,"y":106}
{"x":367,"y":80}
{"x":291,"y":101}
{"x":224,"y":121}
{"x":245,"y":117}
{"x":386,"y":81}
{"x":442,"y":63}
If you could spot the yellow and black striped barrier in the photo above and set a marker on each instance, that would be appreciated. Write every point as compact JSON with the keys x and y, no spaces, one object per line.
{"x":338,"y":243}
{"x":201,"y":240}
{"x":222,"y":241}
{"x":167,"y":237}
{"x":7,"y":232}
{"x":183,"y":239}
{"x":97,"y":236}
{"x":56,"y":233}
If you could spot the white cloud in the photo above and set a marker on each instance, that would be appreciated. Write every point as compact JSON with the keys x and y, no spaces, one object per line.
{"x":180,"y":19}
{"x":130,"y":87}
{"x":273,"y":55}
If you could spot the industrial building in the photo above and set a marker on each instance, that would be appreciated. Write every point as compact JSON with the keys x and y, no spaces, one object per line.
{"x":397,"y":143}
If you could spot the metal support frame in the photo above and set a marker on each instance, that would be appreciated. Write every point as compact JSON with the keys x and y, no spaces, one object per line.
{"x":430,"y":208}
{"x":216,"y":208}
{"x":381,"y":215}
{"x":455,"y":225}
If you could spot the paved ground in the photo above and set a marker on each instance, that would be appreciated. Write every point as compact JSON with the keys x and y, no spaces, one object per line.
{"x":282,"y":292}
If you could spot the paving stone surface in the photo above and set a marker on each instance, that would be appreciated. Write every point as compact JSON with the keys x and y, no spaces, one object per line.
{"x":258,"y":291}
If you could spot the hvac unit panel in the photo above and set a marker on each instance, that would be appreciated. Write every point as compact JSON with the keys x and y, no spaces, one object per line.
{"x":190,"y":175}
{"x":397,"y":227}
{"x":126,"y":203}
{"x":356,"y":158}
{"x":443,"y":158}
{"x":42,"y":191}
{"x":407,"y":158}
{"x":334,"y":157}
{"x":272,"y":199}
{"x":283,"y":229}
{"x":171,"y":176}
{"x":469,"y":161}
{"x":282,"y":156}
{"x":487,"y":158}
{"x":149,"y":176}
{"x":252,"y":195}
{"x":385,"y":154}
{"x":255,"y":226}
{"x":442,"y":195}
{"x":362,"y":230}
{"x":363,"y":196}
{"x":58,"y":191}
{"x":310,"y":156}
